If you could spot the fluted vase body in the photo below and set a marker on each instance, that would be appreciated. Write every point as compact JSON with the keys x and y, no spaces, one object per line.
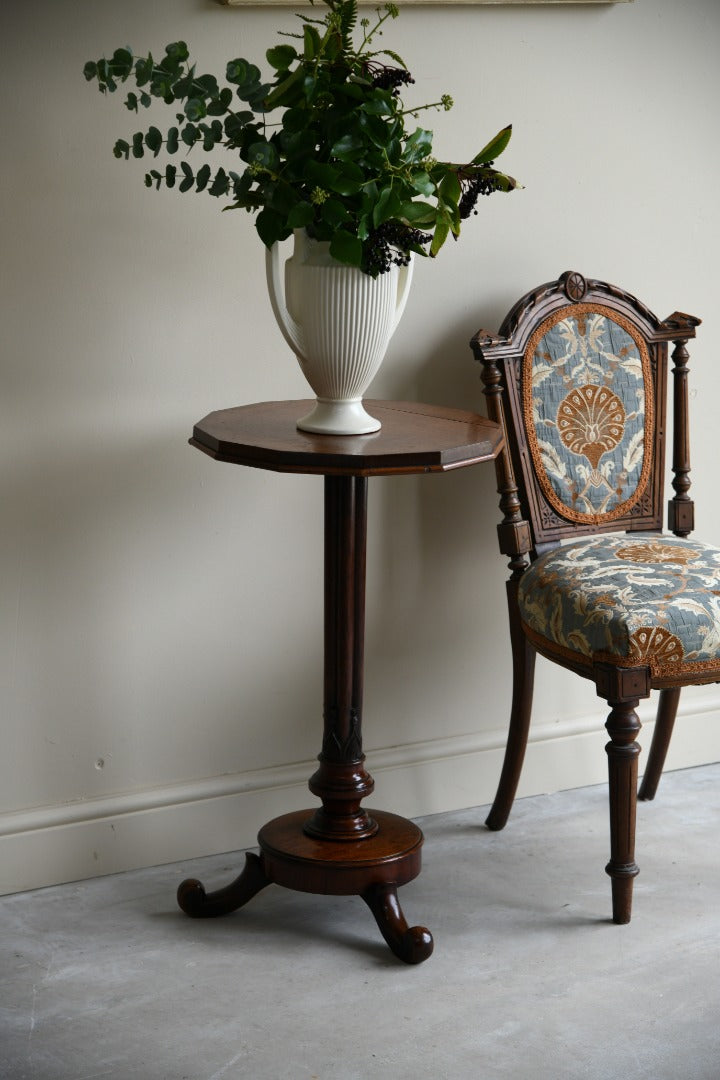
{"x":338,"y":321}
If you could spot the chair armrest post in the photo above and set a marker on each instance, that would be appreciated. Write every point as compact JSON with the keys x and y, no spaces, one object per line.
{"x":681,"y":508}
{"x":514,"y":535}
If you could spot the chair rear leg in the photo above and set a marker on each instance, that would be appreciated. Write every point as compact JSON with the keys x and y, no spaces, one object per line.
{"x":523,"y":680}
{"x":622,"y":725}
{"x":666,"y":713}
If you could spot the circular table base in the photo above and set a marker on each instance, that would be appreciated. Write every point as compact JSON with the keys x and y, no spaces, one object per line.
{"x":371,"y":868}
{"x":340,"y":867}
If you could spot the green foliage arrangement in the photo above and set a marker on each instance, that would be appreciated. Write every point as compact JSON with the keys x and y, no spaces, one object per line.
{"x":323,"y":146}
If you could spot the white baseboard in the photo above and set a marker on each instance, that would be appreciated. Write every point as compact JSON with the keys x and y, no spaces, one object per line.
{"x":55,"y":844}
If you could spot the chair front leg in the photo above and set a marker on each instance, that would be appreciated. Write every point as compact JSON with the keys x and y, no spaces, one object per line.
{"x":622,"y":726}
{"x":523,"y":679}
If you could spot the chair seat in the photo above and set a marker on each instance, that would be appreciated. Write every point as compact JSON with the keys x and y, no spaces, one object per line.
{"x":631,"y":600}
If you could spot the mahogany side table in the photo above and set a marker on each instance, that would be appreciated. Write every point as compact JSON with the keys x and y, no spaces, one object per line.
{"x":339,"y":848}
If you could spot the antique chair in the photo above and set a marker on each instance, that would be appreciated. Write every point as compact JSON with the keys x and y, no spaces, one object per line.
{"x":577,"y":376}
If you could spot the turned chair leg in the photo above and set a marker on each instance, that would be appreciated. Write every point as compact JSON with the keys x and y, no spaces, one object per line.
{"x":622,"y":750}
{"x":523,"y":678}
{"x":666,"y":713}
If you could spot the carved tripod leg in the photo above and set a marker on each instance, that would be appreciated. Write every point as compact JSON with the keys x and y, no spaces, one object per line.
{"x":667,"y":711}
{"x":622,"y":750}
{"x":412,"y":944}
{"x":523,"y":677}
{"x":194,"y":901}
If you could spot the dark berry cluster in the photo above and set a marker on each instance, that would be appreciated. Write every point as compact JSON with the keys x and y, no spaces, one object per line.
{"x":389,"y":78}
{"x":390,"y":245}
{"x":472,"y":188}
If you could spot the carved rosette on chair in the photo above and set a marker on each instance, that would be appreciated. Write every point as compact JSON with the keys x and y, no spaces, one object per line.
{"x":576,"y":376}
{"x":338,"y":321}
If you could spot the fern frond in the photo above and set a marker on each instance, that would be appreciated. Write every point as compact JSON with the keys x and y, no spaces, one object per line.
{"x":393,"y":56}
{"x":347,"y":10}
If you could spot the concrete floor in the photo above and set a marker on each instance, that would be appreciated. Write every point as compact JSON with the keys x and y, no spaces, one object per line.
{"x":529,"y":978}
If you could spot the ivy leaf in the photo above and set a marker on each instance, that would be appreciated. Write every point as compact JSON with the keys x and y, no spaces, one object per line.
{"x":418,"y":146}
{"x":388,"y":206}
{"x":345,"y":185}
{"x":269,"y":227}
{"x":320,"y":174}
{"x":346,"y":248}
{"x":346,"y":146}
{"x":418,"y":214}
{"x":378,"y":106}
{"x":295,"y":120}
{"x":334,"y":213}
{"x":301,"y":215}
{"x":422,"y":183}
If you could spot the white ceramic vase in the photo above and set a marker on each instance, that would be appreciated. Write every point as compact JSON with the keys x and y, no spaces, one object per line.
{"x":338,"y":322}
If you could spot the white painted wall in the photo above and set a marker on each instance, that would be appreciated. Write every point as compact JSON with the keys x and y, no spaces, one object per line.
{"x":160,"y":619}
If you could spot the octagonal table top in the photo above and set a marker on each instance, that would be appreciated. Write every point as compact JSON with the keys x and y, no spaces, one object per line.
{"x":413,"y":438}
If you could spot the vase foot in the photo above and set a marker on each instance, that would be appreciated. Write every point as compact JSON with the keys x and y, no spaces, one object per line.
{"x":338,"y":418}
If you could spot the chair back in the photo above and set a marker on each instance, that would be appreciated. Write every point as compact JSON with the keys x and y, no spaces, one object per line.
{"x":577,"y":377}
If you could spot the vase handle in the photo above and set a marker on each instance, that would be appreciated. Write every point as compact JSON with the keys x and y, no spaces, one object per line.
{"x":290,"y":329}
{"x":404,"y":279}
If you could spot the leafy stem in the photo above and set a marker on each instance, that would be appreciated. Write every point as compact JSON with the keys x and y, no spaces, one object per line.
{"x":321,"y":145}
{"x":391,"y":12}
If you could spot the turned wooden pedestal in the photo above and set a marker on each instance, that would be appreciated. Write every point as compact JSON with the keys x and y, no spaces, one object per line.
{"x":339,"y":847}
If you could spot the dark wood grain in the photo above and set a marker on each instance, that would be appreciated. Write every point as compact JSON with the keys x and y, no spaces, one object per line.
{"x":531,"y":526}
{"x":340,"y":848}
{"x":413,"y":439}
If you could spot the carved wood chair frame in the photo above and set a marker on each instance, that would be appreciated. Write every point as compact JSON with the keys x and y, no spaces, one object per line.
{"x":533,"y":524}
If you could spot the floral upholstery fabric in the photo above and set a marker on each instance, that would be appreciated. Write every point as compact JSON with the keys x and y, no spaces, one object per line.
{"x":630,"y":599}
{"x":588,"y":407}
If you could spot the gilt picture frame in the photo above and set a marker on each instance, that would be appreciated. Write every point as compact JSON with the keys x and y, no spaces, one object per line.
{"x":444,"y":3}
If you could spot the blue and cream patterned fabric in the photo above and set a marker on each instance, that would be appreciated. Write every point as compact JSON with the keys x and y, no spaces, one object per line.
{"x":588,"y":408}
{"x":630,"y":599}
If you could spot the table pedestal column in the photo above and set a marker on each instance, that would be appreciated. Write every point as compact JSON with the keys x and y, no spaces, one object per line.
{"x":340,"y":848}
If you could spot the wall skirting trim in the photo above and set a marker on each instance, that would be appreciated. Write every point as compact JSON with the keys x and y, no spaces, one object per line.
{"x":53,"y":844}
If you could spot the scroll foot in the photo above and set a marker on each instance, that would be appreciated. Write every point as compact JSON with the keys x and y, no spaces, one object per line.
{"x":413,"y":944}
{"x":194,"y":901}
